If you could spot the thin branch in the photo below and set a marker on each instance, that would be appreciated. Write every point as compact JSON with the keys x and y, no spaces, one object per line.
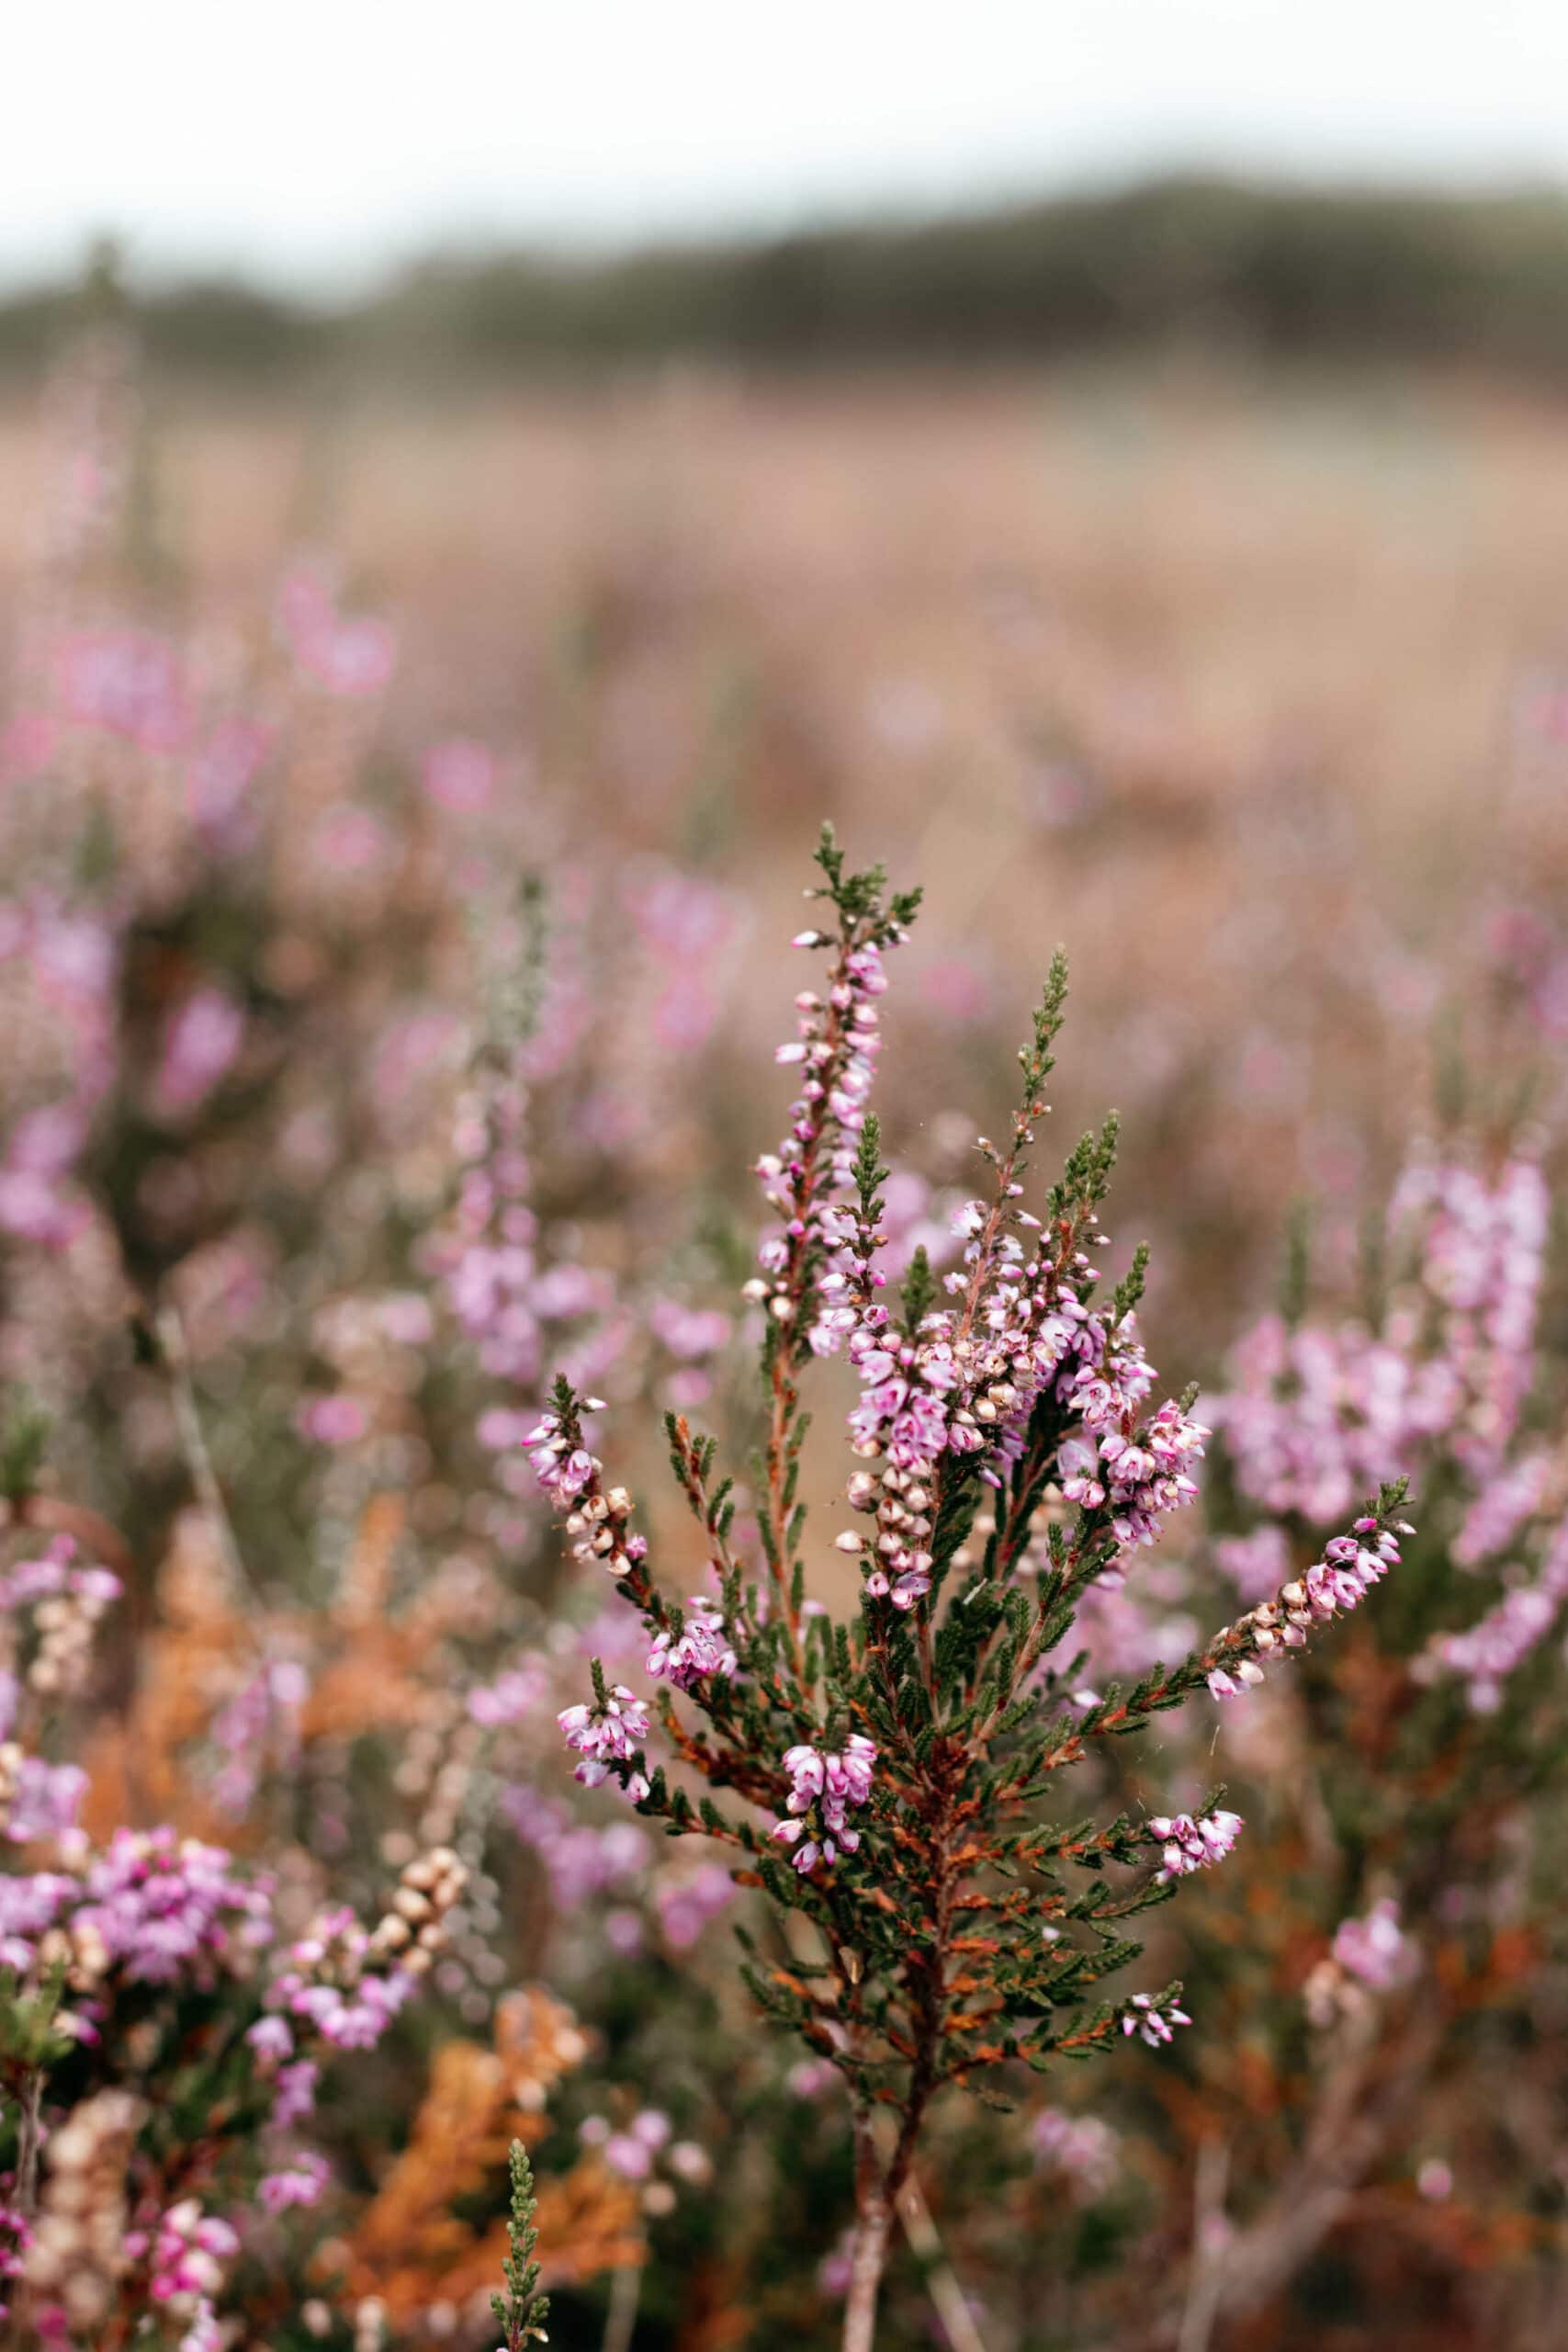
{"x":170,"y":1332}
{"x":941,"y":2284}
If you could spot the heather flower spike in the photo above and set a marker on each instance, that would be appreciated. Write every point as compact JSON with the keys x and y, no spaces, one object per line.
{"x":893,"y":1778}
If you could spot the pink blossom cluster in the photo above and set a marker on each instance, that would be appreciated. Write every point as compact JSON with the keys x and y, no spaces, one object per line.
{"x":54,"y":1576}
{"x":166,"y":1908}
{"x":298,"y":2183}
{"x":1350,"y":1566}
{"x":1317,"y":1415}
{"x":153,"y":1906}
{"x":686,"y":1904}
{"x":595,"y":1517}
{"x":346,"y":654}
{"x":1509,"y":1496}
{"x":1127,"y":1630}
{"x":1191,"y":1844}
{"x":186,"y":2253}
{"x":688,"y":929}
{"x":1079,"y":2149}
{"x":967,"y":1384}
{"x":260,"y":1724}
{"x":836,"y":1050}
{"x":40,"y":1800}
{"x":824,"y":1784}
{"x":1151,"y":2024}
{"x":1486,"y":1653}
{"x":630,"y":2153}
{"x":584,"y":1859}
{"x":58,"y":968}
{"x":336,"y":1983}
{"x":607,"y":1732}
{"x":1482,"y":1251}
{"x":1375,"y":1950}
{"x":513,"y":1696}
{"x":493,"y":1270}
{"x":128,"y":682}
{"x":201,"y":1043}
{"x":1142,"y":1467}
{"x":635,"y":2151}
{"x":700,"y":1649}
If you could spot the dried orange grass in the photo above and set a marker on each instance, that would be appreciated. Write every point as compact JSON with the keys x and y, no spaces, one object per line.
{"x":411,"y":2251}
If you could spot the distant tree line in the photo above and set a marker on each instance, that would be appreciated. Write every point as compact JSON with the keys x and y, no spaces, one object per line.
{"x":1264,"y":271}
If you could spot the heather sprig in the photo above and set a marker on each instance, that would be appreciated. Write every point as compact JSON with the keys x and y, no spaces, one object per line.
{"x":521,"y":2312}
{"x":961,"y":1930}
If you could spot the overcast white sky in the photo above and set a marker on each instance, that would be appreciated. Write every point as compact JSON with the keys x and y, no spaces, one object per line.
{"x":314,"y":142}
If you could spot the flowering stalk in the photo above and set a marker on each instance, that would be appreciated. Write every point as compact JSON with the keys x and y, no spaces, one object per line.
{"x":904,"y":1761}
{"x":836,"y":1050}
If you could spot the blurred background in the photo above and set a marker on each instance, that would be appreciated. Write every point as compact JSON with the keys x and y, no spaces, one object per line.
{"x":1112,"y":460}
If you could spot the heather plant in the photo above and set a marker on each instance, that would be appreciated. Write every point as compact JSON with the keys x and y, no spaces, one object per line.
{"x":521,"y":2312}
{"x":1415,"y":1854}
{"x":933,"y":1925}
{"x":162,"y":2030}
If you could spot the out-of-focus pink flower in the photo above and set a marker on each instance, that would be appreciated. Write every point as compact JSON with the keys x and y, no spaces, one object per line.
{"x":201,"y":1044}
{"x":459,"y":774}
{"x":333,"y":1420}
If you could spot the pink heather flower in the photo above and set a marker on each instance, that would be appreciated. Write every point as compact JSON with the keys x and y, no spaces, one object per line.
{"x":512,"y":1697}
{"x":166,"y":1906}
{"x":460,"y":775}
{"x":201,"y":1044}
{"x":1350,"y":1566}
{"x":1375,"y":1950}
{"x":353,"y":658}
{"x":1256,"y":1564}
{"x":127,"y":682}
{"x":300,"y":2182}
{"x":1317,"y":1415}
{"x":824,"y":1784}
{"x":189,"y":2249}
{"x":1080,"y":2148}
{"x":1191,"y":1844}
{"x":1152,"y":2025}
{"x":686,"y":1905}
{"x":606,"y":1735}
{"x":45,"y":1800}
{"x":688,"y":1332}
{"x":272,"y":2038}
{"x":333,"y":1420}
{"x":218,"y":782}
{"x":295,"y":2094}
{"x":353,"y":841}
{"x":1486,"y":1653}
{"x":701,"y":1649}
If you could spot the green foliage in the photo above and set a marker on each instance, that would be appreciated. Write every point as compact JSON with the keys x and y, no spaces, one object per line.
{"x":1276,"y":271}
{"x":24,"y":1440}
{"x":523,"y":2310}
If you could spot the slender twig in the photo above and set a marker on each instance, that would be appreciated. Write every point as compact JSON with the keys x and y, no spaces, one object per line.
{"x":27,"y":2143}
{"x":171,"y":1339}
{"x":1204,"y":2277}
{"x":626,"y":2292}
{"x":941,"y":2284}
